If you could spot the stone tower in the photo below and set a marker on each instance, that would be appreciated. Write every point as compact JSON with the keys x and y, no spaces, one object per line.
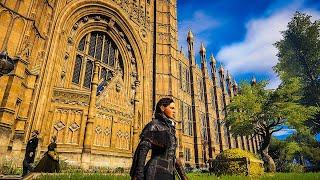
{"x":90,"y":73}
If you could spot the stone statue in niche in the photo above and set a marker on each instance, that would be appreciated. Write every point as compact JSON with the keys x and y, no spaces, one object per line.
{"x":118,"y":87}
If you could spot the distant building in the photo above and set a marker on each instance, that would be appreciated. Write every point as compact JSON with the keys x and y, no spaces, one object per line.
{"x":90,"y":72}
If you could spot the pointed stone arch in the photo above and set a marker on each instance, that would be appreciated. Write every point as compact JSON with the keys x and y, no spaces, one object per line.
{"x":79,"y":18}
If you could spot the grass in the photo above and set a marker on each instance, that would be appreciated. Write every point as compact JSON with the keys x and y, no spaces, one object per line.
{"x":267,"y":176}
{"x":192,"y":176}
{"x":75,"y":176}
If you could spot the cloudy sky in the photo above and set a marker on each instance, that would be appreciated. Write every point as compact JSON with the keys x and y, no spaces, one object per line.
{"x":241,"y":34}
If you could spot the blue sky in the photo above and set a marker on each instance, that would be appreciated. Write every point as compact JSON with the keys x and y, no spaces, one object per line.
{"x":240,"y":34}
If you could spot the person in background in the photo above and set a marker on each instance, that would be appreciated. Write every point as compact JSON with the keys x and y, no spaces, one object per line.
{"x":159,"y":135}
{"x":30,"y":152}
{"x":50,"y":161}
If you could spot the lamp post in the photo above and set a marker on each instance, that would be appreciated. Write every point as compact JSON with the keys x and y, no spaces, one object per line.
{"x":6,"y":63}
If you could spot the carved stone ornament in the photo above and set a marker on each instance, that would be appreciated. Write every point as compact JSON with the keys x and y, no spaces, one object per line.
{"x":118,"y":87}
{"x":66,"y":96}
{"x":119,"y":134}
{"x":98,"y":130}
{"x":74,"y":127}
{"x":107,"y":131}
{"x":59,"y":126}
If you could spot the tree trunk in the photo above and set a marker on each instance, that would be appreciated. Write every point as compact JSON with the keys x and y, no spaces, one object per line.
{"x":271,"y":166}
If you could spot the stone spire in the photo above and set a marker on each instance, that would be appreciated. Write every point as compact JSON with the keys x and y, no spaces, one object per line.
{"x":221,"y":70}
{"x":235,"y":87}
{"x":191,"y":55}
{"x":212,"y":59}
{"x":230,"y":85}
{"x":253,"y":81}
{"x":235,"y":84}
{"x":203,"y":55}
{"x":202,"y":49}
{"x":190,"y":37}
{"x":228,"y":77}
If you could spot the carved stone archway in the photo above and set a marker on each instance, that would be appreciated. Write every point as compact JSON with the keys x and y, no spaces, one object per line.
{"x":76,"y":114}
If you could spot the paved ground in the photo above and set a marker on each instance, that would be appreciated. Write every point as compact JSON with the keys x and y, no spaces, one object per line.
{"x":10,"y":177}
{"x":13,"y":177}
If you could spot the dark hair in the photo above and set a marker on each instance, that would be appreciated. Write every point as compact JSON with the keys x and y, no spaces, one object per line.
{"x":36,"y":131}
{"x":54,"y":138}
{"x":163,"y":102}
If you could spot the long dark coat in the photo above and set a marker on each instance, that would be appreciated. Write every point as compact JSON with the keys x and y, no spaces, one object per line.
{"x":31,"y":147}
{"x":48,"y":164}
{"x":158,"y":136}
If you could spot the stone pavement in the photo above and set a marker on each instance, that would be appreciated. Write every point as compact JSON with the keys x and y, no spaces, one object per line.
{"x":13,"y":177}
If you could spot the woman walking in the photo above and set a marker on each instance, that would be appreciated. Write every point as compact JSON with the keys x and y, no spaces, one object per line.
{"x":158,"y":136}
{"x":50,"y":161}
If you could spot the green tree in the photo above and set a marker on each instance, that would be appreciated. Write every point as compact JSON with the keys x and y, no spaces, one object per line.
{"x":299,"y":148}
{"x":262,"y":112}
{"x":299,"y":57}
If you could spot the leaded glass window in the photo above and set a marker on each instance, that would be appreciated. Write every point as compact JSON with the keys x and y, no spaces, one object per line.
{"x":181,"y":117}
{"x":226,"y":134}
{"x":190,"y":121}
{"x":186,"y":119}
{"x":92,"y":44}
{"x":201,"y":89}
{"x":96,"y":46}
{"x":82,"y":44}
{"x":99,"y":48}
{"x":184,"y":74}
{"x":187,"y":154}
{"x":204,"y":128}
{"x":213,"y":101}
{"x":88,"y":74}
{"x":77,"y":69}
{"x":216,"y":128}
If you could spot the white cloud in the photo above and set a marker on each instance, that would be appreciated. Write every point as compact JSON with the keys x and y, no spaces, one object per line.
{"x":256,"y":52}
{"x":200,"y":23}
{"x":284,"y":132}
{"x":273,"y":83}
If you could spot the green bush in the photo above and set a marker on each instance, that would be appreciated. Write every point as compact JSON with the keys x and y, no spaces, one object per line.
{"x":293,"y":167}
{"x":229,"y":162}
{"x":9,"y":166}
{"x":119,"y":170}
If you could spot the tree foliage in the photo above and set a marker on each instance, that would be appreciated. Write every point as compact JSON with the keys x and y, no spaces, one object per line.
{"x":299,"y":148}
{"x":299,"y":57}
{"x":262,"y":112}
{"x":259,"y":111}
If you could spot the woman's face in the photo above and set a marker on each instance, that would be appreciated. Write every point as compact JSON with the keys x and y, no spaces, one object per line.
{"x":169,"y":111}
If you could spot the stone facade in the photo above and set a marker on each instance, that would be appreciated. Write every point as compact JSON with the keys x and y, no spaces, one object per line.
{"x":90,"y":72}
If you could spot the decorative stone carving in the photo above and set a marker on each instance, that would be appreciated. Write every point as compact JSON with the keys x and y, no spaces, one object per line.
{"x":136,"y":13}
{"x":74,"y":127}
{"x":124,"y":121}
{"x":85,"y":19}
{"x":137,"y":83}
{"x":104,"y":116}
{"x":68,"y":96}
{"x":114,"y":111}
{"x":75,"y":26}
{"x":107,"y":131}
{"x":66,"y":56}
{"x":134,"y":74}
{"x":118,"y":87}
{"x":98,"y":129}
{"x":97,"y":18}
{"x":59,"y":126}
{"x":70,"y":41}
{"x":133,"y":60}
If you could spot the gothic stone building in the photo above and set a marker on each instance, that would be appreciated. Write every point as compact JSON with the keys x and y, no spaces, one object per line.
{"x":90,"y":72}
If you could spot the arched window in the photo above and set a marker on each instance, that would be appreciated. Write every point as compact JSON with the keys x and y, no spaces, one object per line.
{"x":96,"y":46}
